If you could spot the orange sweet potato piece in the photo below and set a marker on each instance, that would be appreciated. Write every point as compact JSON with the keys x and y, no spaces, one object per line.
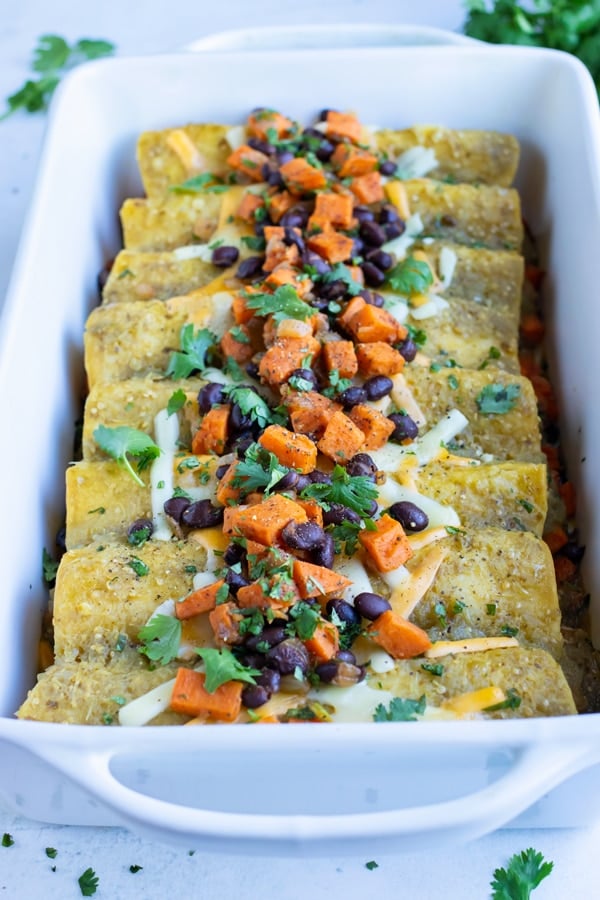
{"x":310,"y":412}
{"x":279,"y":204}
{"x":264,"y":521}
{"x":331,"y":245}
{"x":300,"y":177}
{"x":340,"y":356}
{"x":317,"y":581}
{"x":342,"y":439}
{"x":531,"y":329}
{"x":227,"y":493}
{"x":367,"y":188}
{"x":325,"y":642}
{"x":374,"y":425}
{"x":399,"y":637}
{"x":240,"y":310}
{"x":190,"y":697}
{"x":370,"y":324}
{"x":343,"y":126}
{"x":200,"y":601}
{"x":239,"y":350}
{"x":387,"y":547}
{"x":296,"y":451}
{"x":556,"y":538}
{"x":336,"y":209}
{"x":249,"y":161}
{"x":545,"y":395}
{"x":286,"y":274}
{"x":284,"y":356}
{"x":528,"y":364}
{"x":564,"y":568}
{"x":225,"y":624}
{"x":350,"y":161}
{"x":312,"y":510}
{"x":279,"y":253}
{"x":248,"y":206}
{"x":356,"y":305}
{"x":378,"y":359}
{"x":264,"y":121}
{"x":279,"y":593}
{"x":211,"y":437}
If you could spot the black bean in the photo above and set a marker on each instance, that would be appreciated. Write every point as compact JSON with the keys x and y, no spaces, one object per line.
{"x":347,"y":655}
{"x":320,"y":304}
{"x":271,"y":635}
{"x":306,"y":375}
{"x":61,"y":539}
{"x":388,"y":168}
{"x":235,"y":580}
{"x":250,"y":267}
{"x":175,"y":507}
{"x":220,"y":470}
{"x":324,"y":113}
{"x":202,"y":514}
{"x":241,"y":443}
{"x":357,"y":247}
{"x":405,"y":427}
{"x":269,"y":679}
{"x":310,"y":258}
{"x":261,"y":146}
{"x":324,"y":553}
{"x":364,"y":214}
{"x":224,"y":256}
{"x":372,"y":234}
{"x":288,"y":656}
{"x":275,"y":179}
{"x":303,"y":535}
{"x":318,"y":477}
{"x":252,"y":660}
{"x":381,"y":259}
{"x":323,"y":149}
{"x":287,"y":482}
{"x":254,"y":695}
{"x":210,"y":395}
{"x":337,"y":514}
{"x":394,"y":230}
{"x":573,"y":551}
{"x":370,"y":606}
{"x":332,"y":290}
{"x":290,"y":237}
{"x":303,"y":482}
{"x":344,"y":611}
{"x":294,"y":217}
{"x":373,"y":275}
{"x":326,"y":671}
{"x":284,"y":156}
{"x":409,"y":515}
{"x":234,"y":553}
{"x":139,"y":531}
{"x":371,"y":509}
{"x":252,"y":370}
{"x":239,"y":421}
{"x":352,"y":396}
{"x":362,"y":464}
{"x":372,"y":298}
{"x":378,"y":386}
{"x":388,"y":214}
{"x":408,"y":349}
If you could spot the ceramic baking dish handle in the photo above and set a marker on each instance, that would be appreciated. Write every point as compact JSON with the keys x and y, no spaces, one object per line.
{"x":314,"y":37}
{"x":534,"y":771}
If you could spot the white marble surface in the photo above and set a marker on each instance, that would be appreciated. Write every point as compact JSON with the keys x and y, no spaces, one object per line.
{"x":25,"y":870}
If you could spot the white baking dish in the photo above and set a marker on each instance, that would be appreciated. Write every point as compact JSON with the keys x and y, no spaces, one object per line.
{"x":318,"y":788}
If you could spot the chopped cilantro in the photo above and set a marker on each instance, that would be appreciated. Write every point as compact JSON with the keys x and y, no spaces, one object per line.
{"x":176,"y":401}
{"x":160,"y":638}
{"x":222,"y":594}
{"x":221,"y":666}
{"x":417,"y":335}
{"x":400,"y":710}
{"x":139,"y":567}
{"x":191,"y":357}
{"x":7,"y":839}
{"x":336,"y":384}
{"x":371,"y":865}
{"x":124,"y":274}
{"x":527,"y":506}
{"x":354,"y":491}
{"x":259,"y":470}
{"x":100,"y":510}
{"x":497,"y":399}
{"x":239,"y":335}
{"x":51,"y":853}
{"x":509,"y":631}
{"x":254,"y":242}
{"x":122,"y":442}
{"x":232,"y":368}
{"x":204,"y":183}
{"x":493,"y":353}
{"x":252,"y":404}
{"x":490,"y":608}
{"x":433,"y":668}
{"x":284,"y":303}
{"x":88,"y":883}
{"x":49,"y":567}
{"x":453,"y":382}
{"x":340,"y":272}
{"x":513,"y":701}
{"x":139,"y":537}
{"x":410,"y":276}
{"x":304,"y":620}
{"x":441,"y":612}
{"x":525,"y":871}
{"x":121,"y":643}
{"x":298,"y":383}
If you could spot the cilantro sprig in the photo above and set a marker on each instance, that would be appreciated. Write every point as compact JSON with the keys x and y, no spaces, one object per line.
{"x":524,"y":872}
{"x":253,"y":405}
{"x":260,"y":470}
{"x":340,"y":272}
{"x":400,"y":710}
{"x":410,"y":276}
{"x":497,"y":399}
{"x":49,"y":567}
{"x":88,"y":883}
{"x":52,"y":57}
{"x":284,"y":303}
{"x":205,"y":183}
{"x":192,"y":355}
{"x":122,"y":442}
{"x":357,"y":492}
{"x":221,"y":666}
{"x":160,"y":638}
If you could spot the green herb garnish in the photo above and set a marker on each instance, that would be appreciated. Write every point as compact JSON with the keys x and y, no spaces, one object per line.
{"x":161,"y":638}
{"x":354,"y":491}
{"x":400,"y":710}
{"x":284,"y":303}
{"x":122,"y":442}
{"x":49,"y":567}
{"x":524,"y":872}
{"x":88,"y":883}
{"x":410,"y":276}
{"x":497,"y":399}
{"x":176,"y":401}
{"x":191,"y":357}
{"x":221,"y":666}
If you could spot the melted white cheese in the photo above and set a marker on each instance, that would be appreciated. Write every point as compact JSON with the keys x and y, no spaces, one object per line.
{"x":426,"y":448}
{"x":434,"y":306}
{"x":236,"y":136}
{"x":416,"y":162}
{"x":353,"y":569}
{"x":447,"y":266}
{"x":166,"y":435}
{"x":438,"y":514}
{"x":143,"y":709}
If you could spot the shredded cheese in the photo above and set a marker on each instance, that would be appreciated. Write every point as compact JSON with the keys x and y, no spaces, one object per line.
{"x":470,"y":645}
{"x":411,"y":590}
{"x":474,"y":701}
{"x":189,"y":155}
{"x":416,"y":162}
{"x":166,"y":435}
{"x":145,"y":708}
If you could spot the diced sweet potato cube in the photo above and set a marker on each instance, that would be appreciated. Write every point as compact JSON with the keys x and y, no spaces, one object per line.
{"x":225,"y":624}
{"x":370,"y":324}
{"x":399,"y":637}
{"x":227,"y":492}
{"x":248,"y":206}
{"x":279,"y":204}
{"x":253,"y":595}
{"x":356,"y":305}
{"x":263,"y":122}
{"x":343,"y":126}
{"x":300,"y":177}
{"x":241,"y":311}
{"x":200,"y":601}
{"x":336,"y":209}
{"x":265,"y":521}
{"x":279,"y":253}
{"x":284,"y":356}
{"x":235,"y":347}
{"x":325,"y":642}
{"x":312,"y":510}
{"x":331,"y":245}
{"x":374,"y":425}
{"x":211,"y":437}
{"x":286,"y":274}
{"x":317,"y":581}
{"x":350,"y":161}
{"x":378,"y":359}
{"x":342,"y":439}
{"x":310,"y":412}
{"x":340,"y":356}
{"x":296,"y":451}
{"x":249,"y":161}
{"x":387,"y":547}
{"x":367,"y":188}
{"x":190,"y":697}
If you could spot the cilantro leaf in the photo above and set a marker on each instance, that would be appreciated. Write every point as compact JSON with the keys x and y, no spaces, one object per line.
{"x":354,"y":491}
{"x":524,"y":872}
{"x":259,"y":470}
{"x":283,"y":304}
{"x":513,"y":701}
{"x":51,"y":53}
{"x":400,"y":710}
{"x":122,"y":442}
{"x":417,"y":335}
{"x":252,"y":404}
{"x":176,"y":401}
{"x":497,"y":399}
{"x":7,"y":839}
{"x":191,"y":357}
{"x":371,"y":865}
{"x":304,"y":620}
{"x":410,"y":276}
{"x":161,"y":637}
{"x":49,"y":567}
{"x":134,"y":869}
{"x":91,"y":49}
{"x":51,"y":852}
{"x":337,"y":384}
{"x":139,"y":566}
{"x":340,"y":272}
{"x":198,"y":184}
{"x":221,"y":666}
{"x":88,"y":883}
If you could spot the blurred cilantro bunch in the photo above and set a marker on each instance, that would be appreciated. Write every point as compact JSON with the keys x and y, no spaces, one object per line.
{"x":52,"y":58}
{"x":570,"y":25}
